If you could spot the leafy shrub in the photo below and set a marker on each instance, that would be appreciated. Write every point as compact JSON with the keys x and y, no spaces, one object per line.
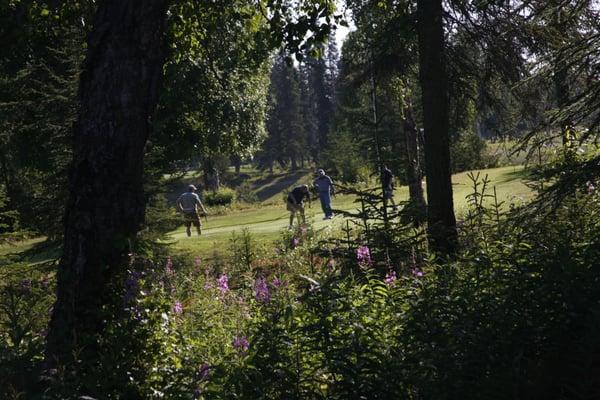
{"x":245,"y":193}
{"x":371,"y":315}
{"x":224,"y":197}
{"x":344,"y":157}
{"x":26,"y":298}
{"x":470,"y":152}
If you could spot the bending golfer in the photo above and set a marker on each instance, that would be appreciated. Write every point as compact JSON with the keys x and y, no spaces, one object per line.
{"x":324,"y":186}
{"x":295,"y":203}
{"x":189,"y":203}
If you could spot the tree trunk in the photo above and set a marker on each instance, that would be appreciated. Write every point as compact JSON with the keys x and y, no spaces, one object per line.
{"x":118,"y":94}
{"x":236,"y":160}
{"x":211,"y":174}
{"x":413,"y":168}
{"x":560,"y":75}
{"x":441,"y":228}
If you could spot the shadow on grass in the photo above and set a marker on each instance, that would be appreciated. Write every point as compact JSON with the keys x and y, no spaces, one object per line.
{"x":39,"y":253}
{"x":516,"y":175}
{"x":279,"y":183}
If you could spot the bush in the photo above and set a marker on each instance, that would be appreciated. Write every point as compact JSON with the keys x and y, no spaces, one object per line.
{"x":344,"y":157}
{"x":370,"y":315}
{"x":224,"y":197}
{"x":245,"y":193}
{"x":470,"y":152}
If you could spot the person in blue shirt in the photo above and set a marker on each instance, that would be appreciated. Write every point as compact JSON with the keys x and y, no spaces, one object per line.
{"x":324,"y":186}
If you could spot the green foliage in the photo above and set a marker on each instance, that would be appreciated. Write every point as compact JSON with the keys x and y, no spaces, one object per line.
{"x":243,"y":251}
{"x":515,"y":311}
{"x":26,"y":298}
{"x":470,"y":152}
{"x":9,"y":219}
{"x":223,"y":197}
{"x":245,"y":193}
{"x":344,"y":157}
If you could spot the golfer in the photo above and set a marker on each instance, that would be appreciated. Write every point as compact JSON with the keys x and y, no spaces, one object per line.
{"x":189,"y":203}
{"x":295,"y":203}
{"x":387,"y":182}
{"x":324,"y":186}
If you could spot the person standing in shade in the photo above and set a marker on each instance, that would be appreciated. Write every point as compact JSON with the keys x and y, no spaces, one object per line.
{"x":387,"y":182}
{"x":324,"y":186}
{"x":295,"y":203}
{"x":189,"y":203}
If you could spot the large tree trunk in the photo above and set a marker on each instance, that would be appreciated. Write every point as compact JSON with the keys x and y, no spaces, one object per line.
{"x":560,"y":74}
{"x":118,"y":95}
{"x":212,"y":180}
{"x":236,"y":160}
{"x":413,"y":167}
{"x":441,"y":229}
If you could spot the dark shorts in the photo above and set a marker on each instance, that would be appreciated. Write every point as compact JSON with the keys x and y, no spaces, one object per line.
{"x":291,"y":207}
{"x":388,"y":193}
{"x":190,"y":218}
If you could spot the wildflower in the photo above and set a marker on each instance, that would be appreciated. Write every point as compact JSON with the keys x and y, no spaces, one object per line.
{"x":177,"y":307}
{"x":198,"y":262}
{"x":131,"y":286}
{"x":391,"y":278}
{"x":223,"y":284}
{"x":241,"y":344}
{"x":363,"y":255}
{"x":45,"y":282}
{"x":330,"y":265}
{"x":169,"y":267}
{"x":261,"y":291}
{"x":203,"y":371}
{"x":590,"y":187}
{"x":26,"y":285}
{"x":303,"y":229}
{"x":277,"y":283}
{"x":417,"y":272}
{"x":295,"y":243}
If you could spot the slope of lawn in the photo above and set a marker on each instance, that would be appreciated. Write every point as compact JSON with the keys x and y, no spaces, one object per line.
{"x":265,"y":222}
{"x":268,"y":218}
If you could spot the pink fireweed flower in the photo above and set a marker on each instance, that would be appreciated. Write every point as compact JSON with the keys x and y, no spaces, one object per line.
{"x":277,"y":282}
{"x":330,"y":265}
{"x":391,"y":278}
{"x":417,"y":272}
{"x":203,"y":371}
{"x":590,"y":187}
{"x":261,"y":291}
{"x":223,"y":283}
{"x":295,"y":242}
{"x":169,"y":267}
{"x":241,"y":344}
{"x":177,"y":308}
{"x":363,"y":255}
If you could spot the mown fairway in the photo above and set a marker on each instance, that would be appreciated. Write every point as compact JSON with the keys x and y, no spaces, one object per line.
{"x":266,"y":221}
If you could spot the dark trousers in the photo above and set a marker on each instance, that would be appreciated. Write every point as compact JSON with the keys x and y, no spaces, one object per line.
{"x":325,"y":198}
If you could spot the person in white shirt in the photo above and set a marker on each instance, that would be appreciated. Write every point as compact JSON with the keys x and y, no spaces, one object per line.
{"x":189,"y":203}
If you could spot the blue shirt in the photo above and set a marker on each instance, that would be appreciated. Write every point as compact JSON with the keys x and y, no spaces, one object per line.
{"x":324,"y":184}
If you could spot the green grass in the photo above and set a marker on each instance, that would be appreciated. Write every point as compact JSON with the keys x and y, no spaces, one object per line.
{"x":32,"y":251}
{"x":267,"y":221}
